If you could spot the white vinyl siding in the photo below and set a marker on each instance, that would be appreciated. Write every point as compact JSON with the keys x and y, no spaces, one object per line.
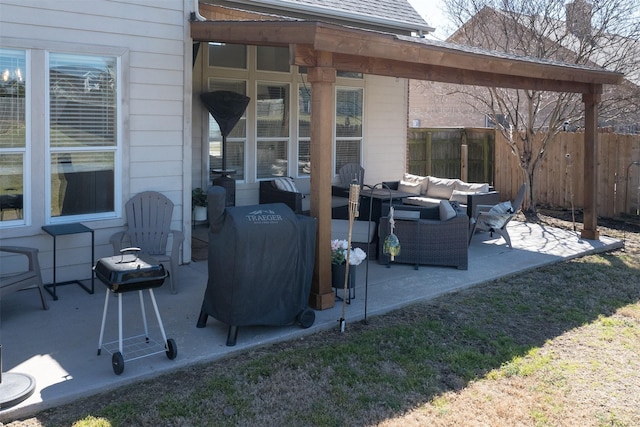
{"x":385,"y":133}
{"x":149,"y":40}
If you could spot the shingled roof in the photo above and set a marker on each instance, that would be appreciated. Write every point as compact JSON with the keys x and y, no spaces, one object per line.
{"x":391,"y":15}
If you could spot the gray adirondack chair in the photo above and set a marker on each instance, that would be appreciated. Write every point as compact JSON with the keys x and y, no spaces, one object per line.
{"x":23,"y":279}
{"x":350,"y":172}
{"x":494,"y":219}
{"x":149,"y":228}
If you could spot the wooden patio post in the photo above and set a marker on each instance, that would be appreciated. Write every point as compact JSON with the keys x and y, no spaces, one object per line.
{"x":322,"y":78}
{"x":590,"y":217}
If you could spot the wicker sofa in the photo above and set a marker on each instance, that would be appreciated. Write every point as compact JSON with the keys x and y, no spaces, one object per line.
{"x":426,"y":236}
{"x":429,"y":191}
{"x":293,"y":193}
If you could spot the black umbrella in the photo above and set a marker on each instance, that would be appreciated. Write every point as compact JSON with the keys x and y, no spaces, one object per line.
{"x":226,"y":108}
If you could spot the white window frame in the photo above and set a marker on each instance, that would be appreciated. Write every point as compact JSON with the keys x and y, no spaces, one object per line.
{"x":286,"y":139}
{"x":298,"y":139}
{"x":294,"y":79}
{"x":116,"y":149}
{"x":243,"y":140}
{"x":358,"y":139}
{"x":26,"y":150}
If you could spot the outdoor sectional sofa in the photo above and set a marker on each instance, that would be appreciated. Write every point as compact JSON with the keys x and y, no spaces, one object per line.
{"x":293,"y":193}
{"x":427,"y":235}
{"x":429,"y":191}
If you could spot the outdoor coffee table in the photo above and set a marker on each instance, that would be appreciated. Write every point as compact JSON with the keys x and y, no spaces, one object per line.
{"x":373,"y":199}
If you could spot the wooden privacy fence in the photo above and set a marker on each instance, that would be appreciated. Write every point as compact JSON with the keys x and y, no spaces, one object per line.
{"x":484,"y":156}
{"x":560,"y":174}
{"x":465,"y":153}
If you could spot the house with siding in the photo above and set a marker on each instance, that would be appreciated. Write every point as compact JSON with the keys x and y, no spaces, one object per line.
{"x":100,"y":104}
{"x":434,"y":104}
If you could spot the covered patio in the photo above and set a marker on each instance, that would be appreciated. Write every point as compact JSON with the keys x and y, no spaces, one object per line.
{"x":325,"y":48}
{"x":58,"y":347}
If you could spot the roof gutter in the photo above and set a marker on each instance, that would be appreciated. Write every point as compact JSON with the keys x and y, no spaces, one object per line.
{"x":329,"y":12}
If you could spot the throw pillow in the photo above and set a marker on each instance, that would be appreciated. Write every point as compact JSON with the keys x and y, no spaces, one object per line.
{"x":502,"y":208}
{"x":456,"y":207}
{"x":410,"y":187}
{"x":422,"y":180}
{"x":471,"y":187}
{"x":446,"y":211}
{"x":460,"y":196}
{"x":441,"y":188}
{"x":286,"y":184}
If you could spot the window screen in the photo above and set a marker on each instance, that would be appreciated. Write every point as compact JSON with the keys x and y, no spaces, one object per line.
{"x":13,"y":137}
{"x":82,"y":133}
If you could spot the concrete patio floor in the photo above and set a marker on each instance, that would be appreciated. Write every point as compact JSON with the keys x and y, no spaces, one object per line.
{"x":58,"y":347}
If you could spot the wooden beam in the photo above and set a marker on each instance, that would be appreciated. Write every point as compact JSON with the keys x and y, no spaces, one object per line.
{"x":385,"y":67}
{"x":260,"y":33}
{"x":407,"y":57}
{"x":322,"y":78}
{"x":590,"y":216}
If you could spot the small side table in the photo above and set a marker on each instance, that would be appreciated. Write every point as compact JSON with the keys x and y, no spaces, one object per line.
{"x":56,"y":230}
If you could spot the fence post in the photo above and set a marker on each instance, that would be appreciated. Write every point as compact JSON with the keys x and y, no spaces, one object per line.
{"x":427,"y":151}
{"x":464,"y":162}
{"x":485,"y":158}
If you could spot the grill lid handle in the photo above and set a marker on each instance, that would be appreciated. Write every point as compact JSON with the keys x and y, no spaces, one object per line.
{"x":125,"y":250}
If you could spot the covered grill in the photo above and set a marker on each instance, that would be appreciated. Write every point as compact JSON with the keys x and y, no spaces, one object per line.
{"x":261,"y":261}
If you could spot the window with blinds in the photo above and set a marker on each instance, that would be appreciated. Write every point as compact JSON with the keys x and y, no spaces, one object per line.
{"x":304,"y":130}
{"x":83,"y":134}
{"x":272,"y":115}
{"x":13,"y":136}
{"x":349,"y":102}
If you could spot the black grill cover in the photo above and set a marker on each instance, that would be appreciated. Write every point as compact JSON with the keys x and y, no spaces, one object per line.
{"x":261,"y":261}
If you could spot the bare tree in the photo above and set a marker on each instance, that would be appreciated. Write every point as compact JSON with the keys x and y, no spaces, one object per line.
{"x":602,"y":33}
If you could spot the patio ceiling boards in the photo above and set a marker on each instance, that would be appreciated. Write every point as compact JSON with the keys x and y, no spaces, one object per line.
{"x":393,"y":55}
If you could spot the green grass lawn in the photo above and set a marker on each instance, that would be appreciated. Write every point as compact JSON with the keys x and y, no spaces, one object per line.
{"x":555,"y":346}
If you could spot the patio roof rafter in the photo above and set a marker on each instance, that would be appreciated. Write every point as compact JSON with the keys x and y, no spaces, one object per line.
{"x":355,"y":49}
{"x":324,"y":48}
{"x":303,"y":55}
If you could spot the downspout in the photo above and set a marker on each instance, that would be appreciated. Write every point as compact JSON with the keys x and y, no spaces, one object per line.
{"x":195,"y":14}
{"x":188,"y":133}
